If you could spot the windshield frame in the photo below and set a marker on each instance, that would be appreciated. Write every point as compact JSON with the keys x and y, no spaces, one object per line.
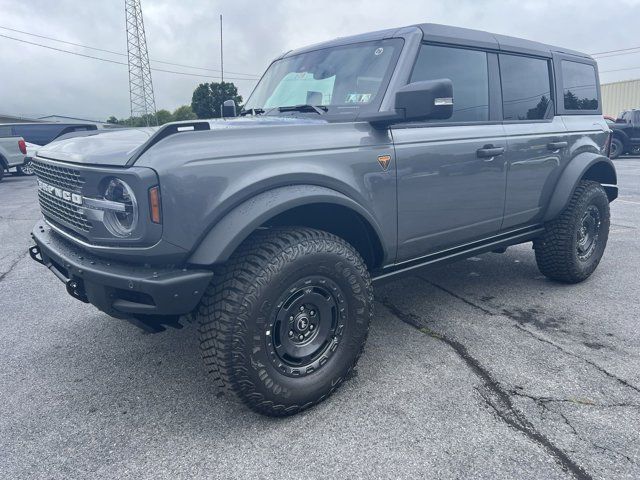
{"x":335,"y":112}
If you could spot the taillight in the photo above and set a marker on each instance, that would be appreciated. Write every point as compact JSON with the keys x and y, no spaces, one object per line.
{"x":22,"y":146}
{"x":608,"y":144}
{"x":155,"y":206}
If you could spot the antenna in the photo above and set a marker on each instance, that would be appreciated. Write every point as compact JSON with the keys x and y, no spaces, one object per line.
{"x":221,"y":54}
{"x":141,"y":96}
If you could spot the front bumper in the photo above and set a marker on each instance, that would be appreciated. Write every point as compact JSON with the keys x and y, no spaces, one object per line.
{"x":120,"y":289}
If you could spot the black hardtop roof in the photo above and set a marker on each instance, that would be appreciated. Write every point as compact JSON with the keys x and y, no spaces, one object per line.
{"x":446,"y":34}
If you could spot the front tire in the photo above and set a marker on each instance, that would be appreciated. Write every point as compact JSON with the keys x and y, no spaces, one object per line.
{"x":574,"y":242}
{"x":285,"y":320}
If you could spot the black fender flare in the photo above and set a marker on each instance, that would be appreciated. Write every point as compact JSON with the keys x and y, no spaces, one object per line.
{"x":571,"y":176}
{"x":228,"y":233}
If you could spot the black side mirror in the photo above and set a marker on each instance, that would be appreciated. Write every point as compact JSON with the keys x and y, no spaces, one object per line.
{"x":426,"y":100}
{"x":228,"y":109}
{"x":431,"y":99}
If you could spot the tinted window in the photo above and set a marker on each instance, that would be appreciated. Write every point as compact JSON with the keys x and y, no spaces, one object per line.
{"x":579,"y":86}
{"x":467,"y":69}
{"x":526,"y":87}
{"x":38,"y":134}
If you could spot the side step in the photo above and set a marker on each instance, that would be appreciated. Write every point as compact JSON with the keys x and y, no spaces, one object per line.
{"x":497,"y":243}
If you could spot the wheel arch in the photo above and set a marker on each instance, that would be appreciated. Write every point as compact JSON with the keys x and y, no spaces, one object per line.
{"x":585,"y":166}
{"x":295,"y":205}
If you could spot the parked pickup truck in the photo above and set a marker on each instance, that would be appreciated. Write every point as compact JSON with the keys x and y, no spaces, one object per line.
{"x":12,"y":152}
{"x":626,"y":133}
{"x":353,"y":161}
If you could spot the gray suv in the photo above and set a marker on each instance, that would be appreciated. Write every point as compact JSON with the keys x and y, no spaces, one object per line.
{"x":353,"y":161}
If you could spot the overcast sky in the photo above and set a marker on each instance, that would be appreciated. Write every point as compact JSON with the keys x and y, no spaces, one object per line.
{"x":35,"y":81}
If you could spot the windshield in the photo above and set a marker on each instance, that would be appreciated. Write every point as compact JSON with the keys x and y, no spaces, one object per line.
{"x":343,"y":79}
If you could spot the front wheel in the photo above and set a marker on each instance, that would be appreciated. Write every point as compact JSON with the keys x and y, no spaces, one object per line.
{"x":285,"y":321}
{"x":574,"y":242}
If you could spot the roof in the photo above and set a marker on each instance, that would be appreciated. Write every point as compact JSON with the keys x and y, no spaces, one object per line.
{"x":71,"y":118}
{"x":433,"y":32}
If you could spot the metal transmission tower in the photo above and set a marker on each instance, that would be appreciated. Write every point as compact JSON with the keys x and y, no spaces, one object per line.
{"x":141,"y":96}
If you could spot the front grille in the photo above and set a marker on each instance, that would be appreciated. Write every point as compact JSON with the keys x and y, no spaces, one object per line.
{"x":59,"y":209}
{"x":61,"y":177}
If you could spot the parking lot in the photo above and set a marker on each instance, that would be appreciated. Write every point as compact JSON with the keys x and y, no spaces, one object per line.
{"x":480,"y":369}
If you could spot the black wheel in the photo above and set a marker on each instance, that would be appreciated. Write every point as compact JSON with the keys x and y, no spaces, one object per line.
{"x":26,"y":168}
{"x":617,"y":148}
{"x":285,"y":321}
{"x":573,"y":244}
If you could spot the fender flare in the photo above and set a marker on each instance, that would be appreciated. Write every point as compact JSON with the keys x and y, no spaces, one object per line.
{"x":228,"y":233}
{"x":571,"y":176}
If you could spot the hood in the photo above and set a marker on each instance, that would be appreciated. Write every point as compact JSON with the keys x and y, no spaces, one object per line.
{"x":121,"y":147}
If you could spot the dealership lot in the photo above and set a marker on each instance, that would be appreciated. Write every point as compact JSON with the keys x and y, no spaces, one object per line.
{"x":478,"y":369}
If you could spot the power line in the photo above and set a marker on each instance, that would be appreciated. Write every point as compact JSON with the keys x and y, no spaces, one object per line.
{"x":115,"y":61}
{"x":119,"y":53}
{"x":615,"y":51}
{"x":619,"y":69}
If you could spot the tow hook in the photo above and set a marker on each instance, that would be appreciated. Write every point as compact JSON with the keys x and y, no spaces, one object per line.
{"x":34,"y":253}
{"x":76,"y":291}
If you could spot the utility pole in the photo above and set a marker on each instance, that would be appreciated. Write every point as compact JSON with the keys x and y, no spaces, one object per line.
{"x":141,"y":95}
{"x":221,"y":54}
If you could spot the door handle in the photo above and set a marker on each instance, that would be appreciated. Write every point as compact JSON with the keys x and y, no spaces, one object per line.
{"x":489,"y":151}
{"x":557,"y":145}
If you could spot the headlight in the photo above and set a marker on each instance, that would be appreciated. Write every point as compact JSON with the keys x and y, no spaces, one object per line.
{"x":121,"y":221}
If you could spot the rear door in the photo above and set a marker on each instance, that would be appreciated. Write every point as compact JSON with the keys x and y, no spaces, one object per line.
{"x":451,"y":174}
{"x":537,"y":140}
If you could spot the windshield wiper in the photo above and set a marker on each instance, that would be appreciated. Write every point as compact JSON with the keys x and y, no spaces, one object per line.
{"x":319,"y":109}
{"x":252,"y":111}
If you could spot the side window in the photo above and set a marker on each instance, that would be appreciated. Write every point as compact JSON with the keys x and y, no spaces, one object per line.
{"x":468,"y":71}
{"x":579,"y":86}
{"x":526,"y":87}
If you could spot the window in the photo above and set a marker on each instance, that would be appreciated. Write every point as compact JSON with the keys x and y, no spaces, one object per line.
{"x":579,"y":86}
{"x":345,"y":78}
{"x":526,"y":87}
{"x":40,"y":134}
{"x":467,"y":70}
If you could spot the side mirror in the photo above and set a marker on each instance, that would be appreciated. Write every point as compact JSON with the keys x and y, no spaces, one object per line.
{"x":431,"y":99}
{"x":426,"y":100}
{"x":228,"y":109}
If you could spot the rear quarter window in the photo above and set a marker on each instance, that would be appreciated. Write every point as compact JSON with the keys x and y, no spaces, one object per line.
{"x":579,"y":86}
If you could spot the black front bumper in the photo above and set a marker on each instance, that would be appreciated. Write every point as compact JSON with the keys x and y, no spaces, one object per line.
{"x":120,"y":289}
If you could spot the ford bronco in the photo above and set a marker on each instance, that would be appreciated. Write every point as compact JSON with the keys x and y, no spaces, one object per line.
{"x":353,"y":161}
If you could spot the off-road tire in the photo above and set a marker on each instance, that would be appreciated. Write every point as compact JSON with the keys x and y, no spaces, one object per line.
{"x":557,"y":251}
{"x":244,"y":298}
{"x":616,"y":149}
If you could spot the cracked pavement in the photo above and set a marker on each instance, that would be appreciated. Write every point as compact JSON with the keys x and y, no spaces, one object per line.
{"x":478,"y":369}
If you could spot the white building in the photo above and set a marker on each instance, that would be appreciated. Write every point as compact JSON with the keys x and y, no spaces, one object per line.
{"x":619,"y":96}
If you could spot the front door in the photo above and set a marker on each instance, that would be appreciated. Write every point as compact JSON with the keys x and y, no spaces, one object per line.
{"x":451,"y":175}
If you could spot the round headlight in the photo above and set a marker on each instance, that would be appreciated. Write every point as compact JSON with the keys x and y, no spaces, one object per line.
{"x":122,"y":220}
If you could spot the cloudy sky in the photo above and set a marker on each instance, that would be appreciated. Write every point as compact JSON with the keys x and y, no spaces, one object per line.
{"x":35,"y":81}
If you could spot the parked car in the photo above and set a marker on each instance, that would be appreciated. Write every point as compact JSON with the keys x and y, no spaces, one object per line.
{"x":39,"y":134}
{"x":12,"y":151}
{"x":626,"y":134}
{"x":354,"y":161}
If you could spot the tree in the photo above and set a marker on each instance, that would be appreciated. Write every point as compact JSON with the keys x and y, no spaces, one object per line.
{"x":113,"y":119}
{"x":209,"y":97}
{"x":185,"y":112}
{"x":164,"y":116}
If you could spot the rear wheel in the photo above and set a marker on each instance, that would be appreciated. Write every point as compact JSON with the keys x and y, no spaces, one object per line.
{"x":573,"y":244}
{"x":617,"y":148}
{"x":285,"y":321}
{"x":26,"y":168}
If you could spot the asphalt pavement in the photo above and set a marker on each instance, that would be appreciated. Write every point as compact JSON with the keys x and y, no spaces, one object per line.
{"x":479,"y":369}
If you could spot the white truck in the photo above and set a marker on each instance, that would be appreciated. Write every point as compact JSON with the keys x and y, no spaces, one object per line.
{"x":12,"y":152}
